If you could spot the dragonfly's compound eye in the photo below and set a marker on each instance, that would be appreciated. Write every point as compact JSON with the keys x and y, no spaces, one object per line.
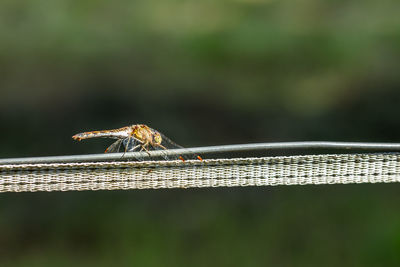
{"x":157,"y":138}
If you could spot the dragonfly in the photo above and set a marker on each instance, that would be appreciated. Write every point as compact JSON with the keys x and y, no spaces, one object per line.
{"x":138,"y":137}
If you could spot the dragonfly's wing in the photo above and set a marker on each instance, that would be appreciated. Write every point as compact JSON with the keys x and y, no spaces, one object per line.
{"x":164,"y":153}
{"x":169,"y":144}
{"x":128,"y":145}
{"x":132,"y":144}
{"x":114,"y":147}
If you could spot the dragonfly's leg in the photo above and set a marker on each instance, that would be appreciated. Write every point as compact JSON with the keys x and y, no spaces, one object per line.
{"x":126,"y":147}
{"x":163,"y":147}
{"x":127,"y":144}
{"x":144,"y":147}
{"x":133,"y":149}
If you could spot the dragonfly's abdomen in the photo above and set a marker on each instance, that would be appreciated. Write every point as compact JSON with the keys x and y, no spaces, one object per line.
{"x":116,"y":133}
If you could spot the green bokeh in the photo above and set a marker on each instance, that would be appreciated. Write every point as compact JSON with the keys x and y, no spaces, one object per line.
{"x":203,"y":73}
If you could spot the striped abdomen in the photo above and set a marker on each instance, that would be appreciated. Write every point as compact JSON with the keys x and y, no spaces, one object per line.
{"x":115,"y":133}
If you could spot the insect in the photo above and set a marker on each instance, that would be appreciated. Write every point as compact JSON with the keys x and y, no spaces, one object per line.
{"x":137,"y":137}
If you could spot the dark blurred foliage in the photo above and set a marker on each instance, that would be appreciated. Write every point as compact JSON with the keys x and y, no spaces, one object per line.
{"x":203,"y":73}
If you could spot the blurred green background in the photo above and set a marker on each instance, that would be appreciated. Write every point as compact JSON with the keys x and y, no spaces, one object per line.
{"x":204,"y":73}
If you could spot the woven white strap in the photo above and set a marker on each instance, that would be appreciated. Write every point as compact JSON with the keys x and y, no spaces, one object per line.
{"x":290,"y":170}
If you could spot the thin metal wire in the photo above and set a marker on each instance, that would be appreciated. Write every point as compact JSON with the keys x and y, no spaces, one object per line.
{"x":383,"y":147}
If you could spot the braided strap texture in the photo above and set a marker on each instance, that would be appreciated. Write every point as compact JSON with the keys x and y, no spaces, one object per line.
{"x":263,"y":171}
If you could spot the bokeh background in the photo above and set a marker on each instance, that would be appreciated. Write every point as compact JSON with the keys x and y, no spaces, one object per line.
{"x":203,"y":73}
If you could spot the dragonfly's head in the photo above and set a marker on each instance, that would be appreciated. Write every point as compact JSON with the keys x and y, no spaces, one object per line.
{"x":157,"y":138}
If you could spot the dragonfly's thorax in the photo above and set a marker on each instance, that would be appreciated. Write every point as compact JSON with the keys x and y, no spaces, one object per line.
{"x":145,"y":134}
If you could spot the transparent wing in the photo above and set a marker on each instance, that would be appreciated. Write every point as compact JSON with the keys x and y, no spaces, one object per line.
{"x":128,"y":145}
{"x":114,"y":147}
{"x":164,"y":153}
{"x":131,"y":144}
{"x":169,"y":144}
